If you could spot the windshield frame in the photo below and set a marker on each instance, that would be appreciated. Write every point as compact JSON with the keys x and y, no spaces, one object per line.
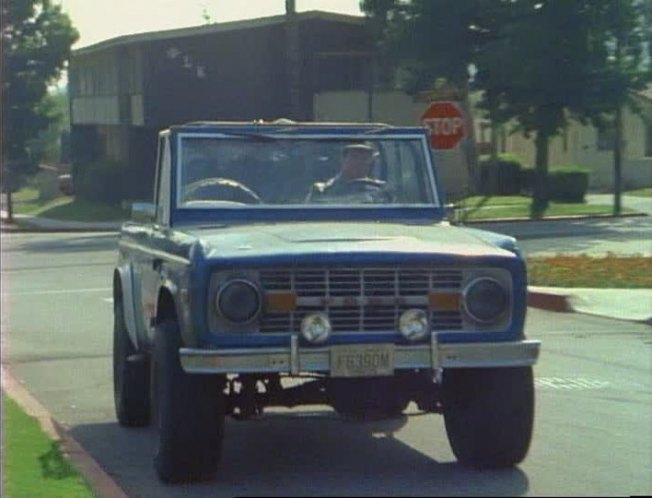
{"x":201,"y":214}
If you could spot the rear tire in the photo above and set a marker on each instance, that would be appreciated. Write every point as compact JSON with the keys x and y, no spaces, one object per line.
{"x":130,"y":375}
{"x":489,"y":415}
{"x":189,"y":413}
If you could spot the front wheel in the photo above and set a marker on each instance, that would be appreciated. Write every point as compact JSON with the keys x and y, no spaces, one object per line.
{"x":189,"y":413}
{"x":130,"y":375}
{"x":489,"y":414}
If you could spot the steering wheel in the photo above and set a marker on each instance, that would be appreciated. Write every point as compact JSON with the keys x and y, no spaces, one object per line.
{"x":221,"y":189}
{"x":376,"y":191}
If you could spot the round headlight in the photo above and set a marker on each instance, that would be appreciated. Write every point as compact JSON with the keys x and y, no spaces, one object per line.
{"x":485,"y":300}
{"x":238,"y":301}
{"x":316,"y":328}
{"x":413,"y":324}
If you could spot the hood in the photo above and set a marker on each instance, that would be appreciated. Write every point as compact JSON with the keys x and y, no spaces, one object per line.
{"x":295,"y":240}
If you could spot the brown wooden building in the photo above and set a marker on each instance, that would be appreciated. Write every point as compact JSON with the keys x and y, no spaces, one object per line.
{"x":124,"y":90}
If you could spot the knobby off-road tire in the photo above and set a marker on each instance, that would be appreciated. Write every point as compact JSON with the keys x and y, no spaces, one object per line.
{"x":189,"y":413}
{"x":489,"y":414}
{"x":130,"y":375}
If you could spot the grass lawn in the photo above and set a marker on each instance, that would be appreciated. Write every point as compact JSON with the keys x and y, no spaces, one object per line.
{"x":642,"y":192}
{"x":631,"y":272}
{"x":32,"y":463}
{"x":517,"y":206}
{"x":26,"y":201}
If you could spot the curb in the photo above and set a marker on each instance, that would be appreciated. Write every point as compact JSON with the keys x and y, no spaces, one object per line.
{"x":556,"y":218}
{"x":550,"y":301}
{"x":101,"y":483}
{"x":561,"y":301}
{"x":57,"y":230}
{"x":27,"y":226}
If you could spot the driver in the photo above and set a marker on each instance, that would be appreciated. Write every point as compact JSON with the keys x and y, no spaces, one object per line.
{"x":357,"y":160}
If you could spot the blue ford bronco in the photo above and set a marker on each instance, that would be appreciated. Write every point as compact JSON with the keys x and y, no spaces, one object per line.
{"x":287,"y":264}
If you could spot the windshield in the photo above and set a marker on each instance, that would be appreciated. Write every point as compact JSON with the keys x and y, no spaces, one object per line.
{"x":262,"y":171}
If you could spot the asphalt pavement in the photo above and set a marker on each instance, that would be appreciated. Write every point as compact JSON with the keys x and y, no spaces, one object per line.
{"x":47,"y":356}
{"x":621,"y":304}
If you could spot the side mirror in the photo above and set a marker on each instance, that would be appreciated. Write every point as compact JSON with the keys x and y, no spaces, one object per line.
{"x":143,"y":212}
{"x":453,"y":212}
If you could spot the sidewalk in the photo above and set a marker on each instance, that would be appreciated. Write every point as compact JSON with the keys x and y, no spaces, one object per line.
{"x":620,"y":304}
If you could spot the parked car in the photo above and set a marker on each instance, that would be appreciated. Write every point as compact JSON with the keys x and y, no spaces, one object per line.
{"x":279,"y":252}
{"x":65,"y":184}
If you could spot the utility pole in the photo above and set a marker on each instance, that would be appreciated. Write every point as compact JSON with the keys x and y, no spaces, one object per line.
{"x":293,"y":59}
{"x":5,"y":167}
{"x":618,"y":138}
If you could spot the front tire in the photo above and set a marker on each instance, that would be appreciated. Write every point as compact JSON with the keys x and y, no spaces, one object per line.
{"x":189,"y":413}
{"x":130,"y":375}
{"x":489,"y":415}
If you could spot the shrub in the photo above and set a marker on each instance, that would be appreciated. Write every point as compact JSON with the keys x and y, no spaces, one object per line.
{"x":501,"y":177}
{"x":99,"y":182}
{"x":568,"y":183}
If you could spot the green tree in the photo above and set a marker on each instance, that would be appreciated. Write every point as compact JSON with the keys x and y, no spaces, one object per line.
{"x":437,"y":43}
{"x":621,"y":66}
{"x":537,"y":62}
{"x":46,"y":146}
{"x":36,"y":40}
{"x":537,"y":72}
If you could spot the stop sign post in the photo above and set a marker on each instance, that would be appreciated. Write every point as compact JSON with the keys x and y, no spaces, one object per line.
{"x":446,"y":124}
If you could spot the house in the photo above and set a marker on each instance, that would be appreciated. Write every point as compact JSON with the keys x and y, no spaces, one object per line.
{"x":124,"y":90}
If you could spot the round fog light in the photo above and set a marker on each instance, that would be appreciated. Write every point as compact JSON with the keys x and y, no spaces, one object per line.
{"x":413,"y":324}
{"x":316,"y":328}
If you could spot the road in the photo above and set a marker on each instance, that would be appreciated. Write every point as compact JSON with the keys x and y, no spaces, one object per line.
{"x":597,"y":236}
{"x":593,"y":429}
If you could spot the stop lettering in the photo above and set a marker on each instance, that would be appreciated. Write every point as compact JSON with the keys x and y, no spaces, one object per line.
{"x":446,"y":124}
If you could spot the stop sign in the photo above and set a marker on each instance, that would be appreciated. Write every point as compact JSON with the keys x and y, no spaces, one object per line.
{"x":446,"y":124}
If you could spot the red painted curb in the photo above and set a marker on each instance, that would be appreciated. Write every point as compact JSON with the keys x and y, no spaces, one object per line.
{"x":549,"y":301}
{"x":100,"y":482}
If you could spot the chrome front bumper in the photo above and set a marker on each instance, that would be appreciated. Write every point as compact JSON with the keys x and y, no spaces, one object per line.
{"x":295,"y":359}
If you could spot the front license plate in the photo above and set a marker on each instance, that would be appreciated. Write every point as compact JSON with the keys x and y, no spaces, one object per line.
{"x":369,"y":360}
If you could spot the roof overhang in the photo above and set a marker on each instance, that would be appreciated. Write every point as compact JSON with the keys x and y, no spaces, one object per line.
{"x":218,"y":28}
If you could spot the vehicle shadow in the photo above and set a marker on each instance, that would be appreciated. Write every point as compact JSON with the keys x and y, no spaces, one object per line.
{"x":302,"y":454}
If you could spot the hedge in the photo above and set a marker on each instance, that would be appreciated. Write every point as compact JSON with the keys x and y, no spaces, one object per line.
{"x":565,"y":183}
{"x":500,"y":177}
{"x":568,"y":183}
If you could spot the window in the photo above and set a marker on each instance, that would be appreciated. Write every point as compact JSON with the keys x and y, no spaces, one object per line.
{"x":218,"y":172}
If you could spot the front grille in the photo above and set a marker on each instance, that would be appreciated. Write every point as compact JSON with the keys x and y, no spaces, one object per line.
{"x":369,"y":299}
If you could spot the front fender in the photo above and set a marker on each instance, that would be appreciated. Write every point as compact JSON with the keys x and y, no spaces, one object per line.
{"x":506,"y":242}
{"x":173,"y":303}
{"x":123,"y":275}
